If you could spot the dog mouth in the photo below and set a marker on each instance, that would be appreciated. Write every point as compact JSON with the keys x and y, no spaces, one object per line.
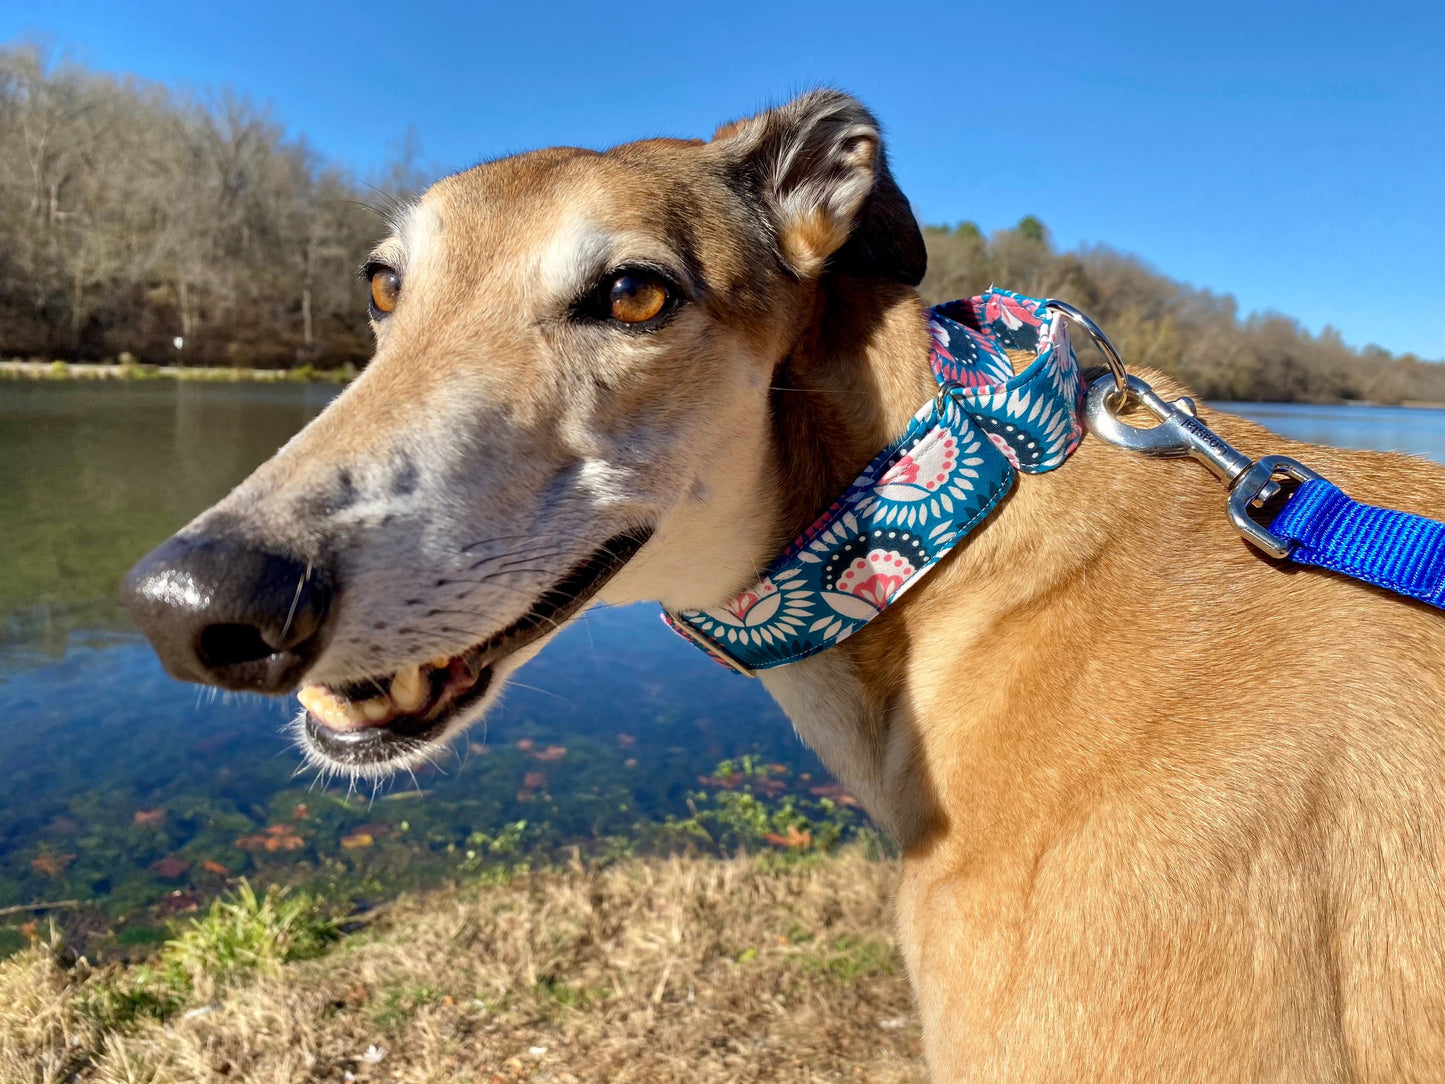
{"x":374,"y":721}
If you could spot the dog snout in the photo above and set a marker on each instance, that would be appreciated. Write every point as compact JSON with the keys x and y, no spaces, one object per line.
{"x":230,"y":613}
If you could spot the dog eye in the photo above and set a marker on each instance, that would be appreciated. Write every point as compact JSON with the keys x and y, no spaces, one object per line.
{"x":635,"y":297}
{"x":385,"y":288}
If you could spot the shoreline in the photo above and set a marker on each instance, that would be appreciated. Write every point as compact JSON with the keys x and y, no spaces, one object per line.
{"x":134,"y":371}
{"x":15,"y":369}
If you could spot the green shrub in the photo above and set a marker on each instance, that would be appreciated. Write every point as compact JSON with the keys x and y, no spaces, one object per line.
{"x":746,"y":812}
{"x":244,"y":933}
{"x":504,"y":850}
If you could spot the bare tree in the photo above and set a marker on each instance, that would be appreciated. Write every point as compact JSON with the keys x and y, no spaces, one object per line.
{"x":130,"y":217}
{"x":1193,"y":334}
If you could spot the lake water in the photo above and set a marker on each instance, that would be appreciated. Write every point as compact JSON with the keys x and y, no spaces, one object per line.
{"x":142,"y":795}
{"x":1418,"y":430}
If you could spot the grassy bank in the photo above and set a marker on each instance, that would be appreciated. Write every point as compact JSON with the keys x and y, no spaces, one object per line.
{"x":687,"y":969}
{"x":66,"y":370}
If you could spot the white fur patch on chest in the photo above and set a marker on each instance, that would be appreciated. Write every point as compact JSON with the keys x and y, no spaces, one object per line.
{"x":827,"y":707}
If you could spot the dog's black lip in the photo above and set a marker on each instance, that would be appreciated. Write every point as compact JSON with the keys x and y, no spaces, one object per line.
{"x":377,"y":744}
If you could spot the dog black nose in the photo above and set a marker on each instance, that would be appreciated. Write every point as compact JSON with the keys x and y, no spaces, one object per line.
{"x":224,"y":613}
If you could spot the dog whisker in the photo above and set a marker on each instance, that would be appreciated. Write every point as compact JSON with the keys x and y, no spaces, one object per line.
{"x":815,"y":391}
{"x":545,"y":692}
{"x":529,"y":555}
{"x":295,"y":600}
{"x":497,"y":538}
{"x":513,"y":573}
{"x":551,"y":622}
{"x":591,"y":643}
{"x":522,"y":558}
{"x":431,"y":755}
{"x":530,"y":594}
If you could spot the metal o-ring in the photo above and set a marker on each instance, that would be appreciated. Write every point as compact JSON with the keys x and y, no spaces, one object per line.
{"x":1111,"y":356}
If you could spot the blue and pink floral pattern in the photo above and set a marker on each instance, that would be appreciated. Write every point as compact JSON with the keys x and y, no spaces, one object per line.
{"x":922,"y":494}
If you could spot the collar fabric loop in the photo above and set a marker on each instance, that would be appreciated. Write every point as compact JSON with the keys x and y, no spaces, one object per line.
{"x":922,"y":494}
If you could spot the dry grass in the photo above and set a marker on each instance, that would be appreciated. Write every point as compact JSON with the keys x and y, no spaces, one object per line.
{"x":685,"y":970}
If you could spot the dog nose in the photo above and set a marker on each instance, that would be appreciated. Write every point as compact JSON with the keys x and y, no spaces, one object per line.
{"x":225,"y":613}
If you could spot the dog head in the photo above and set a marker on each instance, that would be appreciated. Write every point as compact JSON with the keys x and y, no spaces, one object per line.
{"x":569,"y":399}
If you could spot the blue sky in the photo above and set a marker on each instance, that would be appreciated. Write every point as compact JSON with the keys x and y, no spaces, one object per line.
{"x":1290,"y":154}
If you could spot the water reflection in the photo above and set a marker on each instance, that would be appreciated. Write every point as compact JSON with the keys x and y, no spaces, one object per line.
{"x":124,"y":786}
{"x":92,"y":476}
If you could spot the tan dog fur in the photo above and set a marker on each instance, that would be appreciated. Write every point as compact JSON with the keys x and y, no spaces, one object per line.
{"x":1169,"y":810}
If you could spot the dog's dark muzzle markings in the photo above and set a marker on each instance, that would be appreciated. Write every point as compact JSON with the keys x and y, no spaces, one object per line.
{"x":226,"y":613}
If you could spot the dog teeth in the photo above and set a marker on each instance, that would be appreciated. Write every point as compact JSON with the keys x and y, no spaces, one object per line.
{"x":441,"y":662}
{"x":313,"y":699}
{"x":330,"y":709}
{"x":408,"y":689}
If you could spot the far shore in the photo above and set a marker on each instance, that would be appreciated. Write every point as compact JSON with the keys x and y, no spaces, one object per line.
{"x":310,"y":374}
{"x":129,"y":371}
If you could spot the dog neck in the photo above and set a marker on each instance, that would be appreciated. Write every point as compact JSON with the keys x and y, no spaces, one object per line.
{"x":849,"y":383}
{"x":848,"y":386}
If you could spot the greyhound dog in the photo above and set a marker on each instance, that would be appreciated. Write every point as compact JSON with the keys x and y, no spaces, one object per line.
{"x":1167,"y":809}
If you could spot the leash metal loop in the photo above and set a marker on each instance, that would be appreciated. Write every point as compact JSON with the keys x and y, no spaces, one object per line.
{"x":1256,"y":486}
{"x":949,"y":389}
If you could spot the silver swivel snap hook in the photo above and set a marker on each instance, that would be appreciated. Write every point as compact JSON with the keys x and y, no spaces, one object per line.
{"x":1179,"y":434}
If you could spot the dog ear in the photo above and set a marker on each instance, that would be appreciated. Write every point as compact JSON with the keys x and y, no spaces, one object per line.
{"x":817,"y":167}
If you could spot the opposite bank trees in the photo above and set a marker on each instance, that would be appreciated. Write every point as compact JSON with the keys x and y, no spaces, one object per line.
{"x":131,"y":216}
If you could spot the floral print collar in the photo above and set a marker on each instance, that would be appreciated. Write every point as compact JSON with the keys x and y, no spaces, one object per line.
{"x":921,"y":495}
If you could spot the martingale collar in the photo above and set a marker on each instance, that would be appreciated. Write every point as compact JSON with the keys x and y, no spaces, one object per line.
{"x":921,"y":495}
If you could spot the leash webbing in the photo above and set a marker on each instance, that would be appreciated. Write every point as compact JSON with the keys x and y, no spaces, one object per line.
{"x":1398,"y":551}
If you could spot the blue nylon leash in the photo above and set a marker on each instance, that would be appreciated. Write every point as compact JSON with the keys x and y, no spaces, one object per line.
{"x":1318,"y":526}
{"x":1398,"y":551}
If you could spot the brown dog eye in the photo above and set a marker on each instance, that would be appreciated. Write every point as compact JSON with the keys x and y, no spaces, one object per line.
{"x":636,"y":297}
{"x":385,"y":287}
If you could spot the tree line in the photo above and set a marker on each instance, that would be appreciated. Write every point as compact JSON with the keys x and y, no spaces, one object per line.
{"x":1193,"y":334}
{"x":133,"y":218}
